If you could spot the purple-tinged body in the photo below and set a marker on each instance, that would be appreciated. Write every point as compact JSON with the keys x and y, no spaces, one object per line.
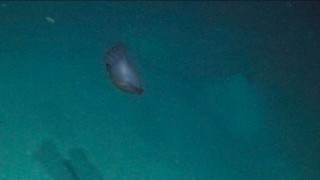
{"x":122,"y":72}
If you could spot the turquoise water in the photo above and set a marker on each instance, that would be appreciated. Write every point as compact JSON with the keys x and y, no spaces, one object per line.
{"x":231,"y":91}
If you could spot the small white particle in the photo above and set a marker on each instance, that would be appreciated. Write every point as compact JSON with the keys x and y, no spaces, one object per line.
{"x":50,"y":20}
{"x":288,"y":4}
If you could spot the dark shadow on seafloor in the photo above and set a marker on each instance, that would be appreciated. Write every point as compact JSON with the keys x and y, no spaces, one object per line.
{"x":77,"y":167}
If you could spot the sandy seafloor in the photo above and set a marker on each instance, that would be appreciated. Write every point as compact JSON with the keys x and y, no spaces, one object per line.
{"x":231,"y":91}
